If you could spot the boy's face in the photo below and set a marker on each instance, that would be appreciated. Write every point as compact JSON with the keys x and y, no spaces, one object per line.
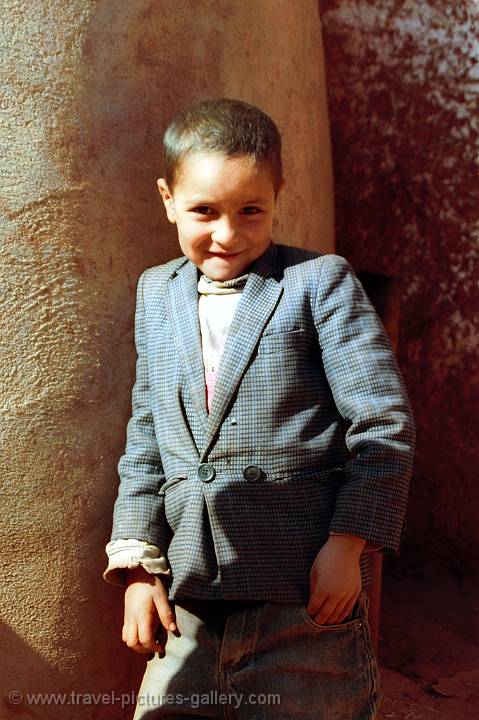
{"x":223,"y":208}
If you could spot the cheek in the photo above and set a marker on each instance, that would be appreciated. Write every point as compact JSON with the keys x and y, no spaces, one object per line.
{"x":257,"y":232}
{"x":191,"y":238}
{"x":262,"y":228}
{"x":261,"y":236}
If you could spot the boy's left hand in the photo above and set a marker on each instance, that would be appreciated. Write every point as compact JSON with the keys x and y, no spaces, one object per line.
{"x":335,"y":579}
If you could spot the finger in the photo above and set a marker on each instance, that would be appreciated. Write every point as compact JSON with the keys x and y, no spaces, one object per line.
{"x":325,"y":610}
{"x":148,"y":636}
{"x":165,"y":613}
{"x":129,"y":633}
{"x":341,"y":613}
{"x":347,"y":609}
{"x":316,"y":602}
{"x":130,"y":638}
{"x":144,"y":651}
{"x":350,"y":607}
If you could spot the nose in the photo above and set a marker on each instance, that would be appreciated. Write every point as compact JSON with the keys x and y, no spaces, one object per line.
{"x":224,"y":232}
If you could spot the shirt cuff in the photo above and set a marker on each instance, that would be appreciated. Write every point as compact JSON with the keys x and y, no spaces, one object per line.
{"x":131,"y":553}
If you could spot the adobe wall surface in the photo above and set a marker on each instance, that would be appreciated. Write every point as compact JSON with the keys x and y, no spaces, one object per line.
{"x":403,"y":96}
{"x":89,"y":89}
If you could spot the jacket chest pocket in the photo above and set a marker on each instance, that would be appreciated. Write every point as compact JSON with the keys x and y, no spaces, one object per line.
{"x":281,"y":342}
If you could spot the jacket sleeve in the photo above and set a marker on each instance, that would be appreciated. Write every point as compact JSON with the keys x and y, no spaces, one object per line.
{"x":370,"y":394}
{"x":139,"y":511}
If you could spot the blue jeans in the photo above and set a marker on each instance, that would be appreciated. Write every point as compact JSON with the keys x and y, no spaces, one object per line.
{"x":262,"y":660}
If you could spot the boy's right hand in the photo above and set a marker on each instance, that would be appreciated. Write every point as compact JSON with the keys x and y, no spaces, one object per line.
{"x":146,"y":601}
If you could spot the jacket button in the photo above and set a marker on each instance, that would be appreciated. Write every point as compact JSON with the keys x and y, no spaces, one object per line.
{"x":206,"y":472}
{"x":252,"y":473}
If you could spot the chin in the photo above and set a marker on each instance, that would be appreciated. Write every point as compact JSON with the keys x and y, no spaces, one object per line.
{"x":220,"y":273}
{"x":221,"y":276}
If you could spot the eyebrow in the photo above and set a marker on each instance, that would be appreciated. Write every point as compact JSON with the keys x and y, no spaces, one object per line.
{"x":200,"y":201}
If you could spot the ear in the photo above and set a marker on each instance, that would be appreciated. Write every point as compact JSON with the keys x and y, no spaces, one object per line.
{"x":167,"y":198}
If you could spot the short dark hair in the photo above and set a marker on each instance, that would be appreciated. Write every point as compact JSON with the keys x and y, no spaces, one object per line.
{"x":232,"y":127}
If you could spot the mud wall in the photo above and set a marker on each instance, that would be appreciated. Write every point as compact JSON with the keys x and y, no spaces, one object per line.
{"x":88,"y":90}
{"x":403,"y":86}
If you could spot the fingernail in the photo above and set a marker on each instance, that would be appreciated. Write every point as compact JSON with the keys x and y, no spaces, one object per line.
{"x":172,"y":626}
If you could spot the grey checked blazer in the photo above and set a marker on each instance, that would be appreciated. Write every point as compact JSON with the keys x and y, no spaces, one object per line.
{"x":310,"y":429}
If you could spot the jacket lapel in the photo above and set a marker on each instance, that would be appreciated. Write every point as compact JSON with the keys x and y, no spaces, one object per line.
{"x":182,"y":297}
{"x":260,"y":296}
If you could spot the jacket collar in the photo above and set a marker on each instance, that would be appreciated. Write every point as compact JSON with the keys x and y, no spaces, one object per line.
{"x":259,"y":298}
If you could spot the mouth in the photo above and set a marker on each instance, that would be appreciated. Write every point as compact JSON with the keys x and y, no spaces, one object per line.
{"x":223,"y":255}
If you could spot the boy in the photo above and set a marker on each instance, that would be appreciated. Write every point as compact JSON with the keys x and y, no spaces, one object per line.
{"x":270,"y":446}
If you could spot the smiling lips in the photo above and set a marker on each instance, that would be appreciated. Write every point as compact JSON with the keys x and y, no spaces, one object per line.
{"x":225,"y":255}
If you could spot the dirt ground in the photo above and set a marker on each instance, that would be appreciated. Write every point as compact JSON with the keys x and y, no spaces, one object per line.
{"x":428,"y":652}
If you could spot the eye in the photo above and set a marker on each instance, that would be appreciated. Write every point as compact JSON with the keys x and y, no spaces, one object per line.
{"x":202,"y":210}
{"x":251,"y":210}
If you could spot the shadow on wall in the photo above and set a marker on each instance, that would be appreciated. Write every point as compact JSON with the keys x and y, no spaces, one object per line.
{"x":402,"y":88}
{"x":14,"y":697}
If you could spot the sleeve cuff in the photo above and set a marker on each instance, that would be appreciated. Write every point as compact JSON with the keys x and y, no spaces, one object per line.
{"x":369,"y":546}
{"x":131,"y":553}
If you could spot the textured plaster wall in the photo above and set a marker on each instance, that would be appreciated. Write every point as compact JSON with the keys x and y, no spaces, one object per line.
{"x":88,"y":89}
{"x":403,"y":84}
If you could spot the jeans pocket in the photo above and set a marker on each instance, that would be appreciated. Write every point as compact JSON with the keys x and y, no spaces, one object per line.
{"x":351,"y":621}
